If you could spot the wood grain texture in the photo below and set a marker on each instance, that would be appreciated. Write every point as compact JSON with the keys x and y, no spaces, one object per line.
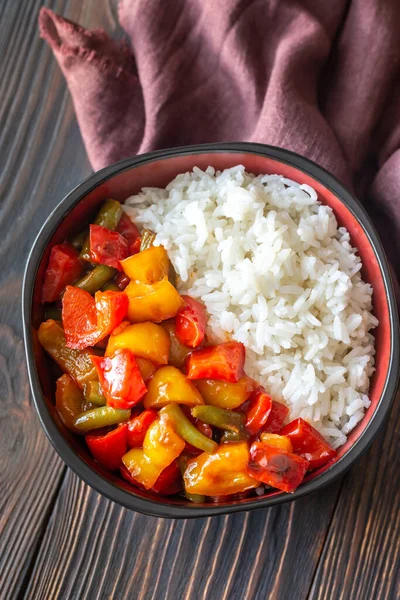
{"x":26,"y":490}
{"x":59,"y":538}
{"x":361,"y":558}
{"x":110,"y":552}
{"x":41,"y":158}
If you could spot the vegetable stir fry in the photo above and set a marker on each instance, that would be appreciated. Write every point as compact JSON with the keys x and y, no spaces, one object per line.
{"x":152,"y":397}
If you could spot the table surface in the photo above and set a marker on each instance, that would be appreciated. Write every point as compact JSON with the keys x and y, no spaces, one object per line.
{"x":61,"y":539}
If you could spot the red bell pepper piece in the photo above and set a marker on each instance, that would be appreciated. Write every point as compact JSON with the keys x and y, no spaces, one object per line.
{"x":167,"y":484}
{"x":245,"y":407}
{"x":191,"y":323}
{"x":64,"y":268}
{"x":108,"y":449}
{"x":308,"y":443}
{"x":130,"y":232}
{"x":224,"y":362}
{"x":79,"y":318}
{"x":138,"y":426}
{"x":107,"y":247}
{"x":120,"y":379}
{"x":128,"y":477}
{"x":276,"y":418}
{"x":111,"y":309}
{"x":276,"y":467}
{"x":135,"y":247}
{"x":87,"y":320}
{"x":259,"y":411}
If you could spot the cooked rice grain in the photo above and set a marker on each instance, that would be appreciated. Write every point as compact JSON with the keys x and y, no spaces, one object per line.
{"x":276,"y":273}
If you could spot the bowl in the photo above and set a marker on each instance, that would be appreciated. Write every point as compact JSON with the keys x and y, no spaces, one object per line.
{"x":127,"y":177}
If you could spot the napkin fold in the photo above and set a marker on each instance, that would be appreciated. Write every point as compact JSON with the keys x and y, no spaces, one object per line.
{"x":318,"y":78}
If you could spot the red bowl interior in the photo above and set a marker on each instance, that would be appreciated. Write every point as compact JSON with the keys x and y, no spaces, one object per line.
{"x":159,"y":173}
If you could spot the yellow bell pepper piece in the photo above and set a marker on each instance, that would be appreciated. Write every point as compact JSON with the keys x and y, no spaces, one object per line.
{"x":221,"y":473}
{"x":161,"y":447}
{"x":277,"y":441}
{"x":167,"y":385}
{"x":141,"y":468}
{"x":156,"y":302}
{"x":148,"y":266}
{"x":178,"y":351}
{"x":147,"y":340}
{"x":224,"y":394}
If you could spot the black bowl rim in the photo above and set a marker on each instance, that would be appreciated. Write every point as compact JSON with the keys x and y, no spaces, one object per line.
{"x":156,"y":508}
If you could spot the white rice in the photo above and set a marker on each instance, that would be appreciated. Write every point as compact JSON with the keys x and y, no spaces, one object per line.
{"x":276,"y":273}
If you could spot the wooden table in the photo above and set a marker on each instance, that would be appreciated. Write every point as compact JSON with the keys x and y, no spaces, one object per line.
{"x":61,"y":539}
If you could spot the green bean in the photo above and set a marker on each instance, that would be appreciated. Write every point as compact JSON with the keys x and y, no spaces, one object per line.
{"x":52,"y":312}
{"x":233,"y":436}
{"x":103,"y":416}
{"x":219,"y":417}
{"x":93,"y":393}
{"x":195,"y":498}
{"x":148,"y":238}
{"x":79,"y":239}
{"x":187,"y":430}
{"x":108,"y":216}
{"x":110,"y":286}
{"x":95,"y":279}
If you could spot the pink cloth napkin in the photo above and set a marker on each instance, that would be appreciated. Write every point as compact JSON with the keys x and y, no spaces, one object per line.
{"x":319,"y":78}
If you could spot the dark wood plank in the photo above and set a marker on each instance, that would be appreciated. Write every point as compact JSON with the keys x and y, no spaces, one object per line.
{"x":93,"y":548}
{"x":41,"y":159}
{"x":26,"y":487}
{"x":362,"y":554}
